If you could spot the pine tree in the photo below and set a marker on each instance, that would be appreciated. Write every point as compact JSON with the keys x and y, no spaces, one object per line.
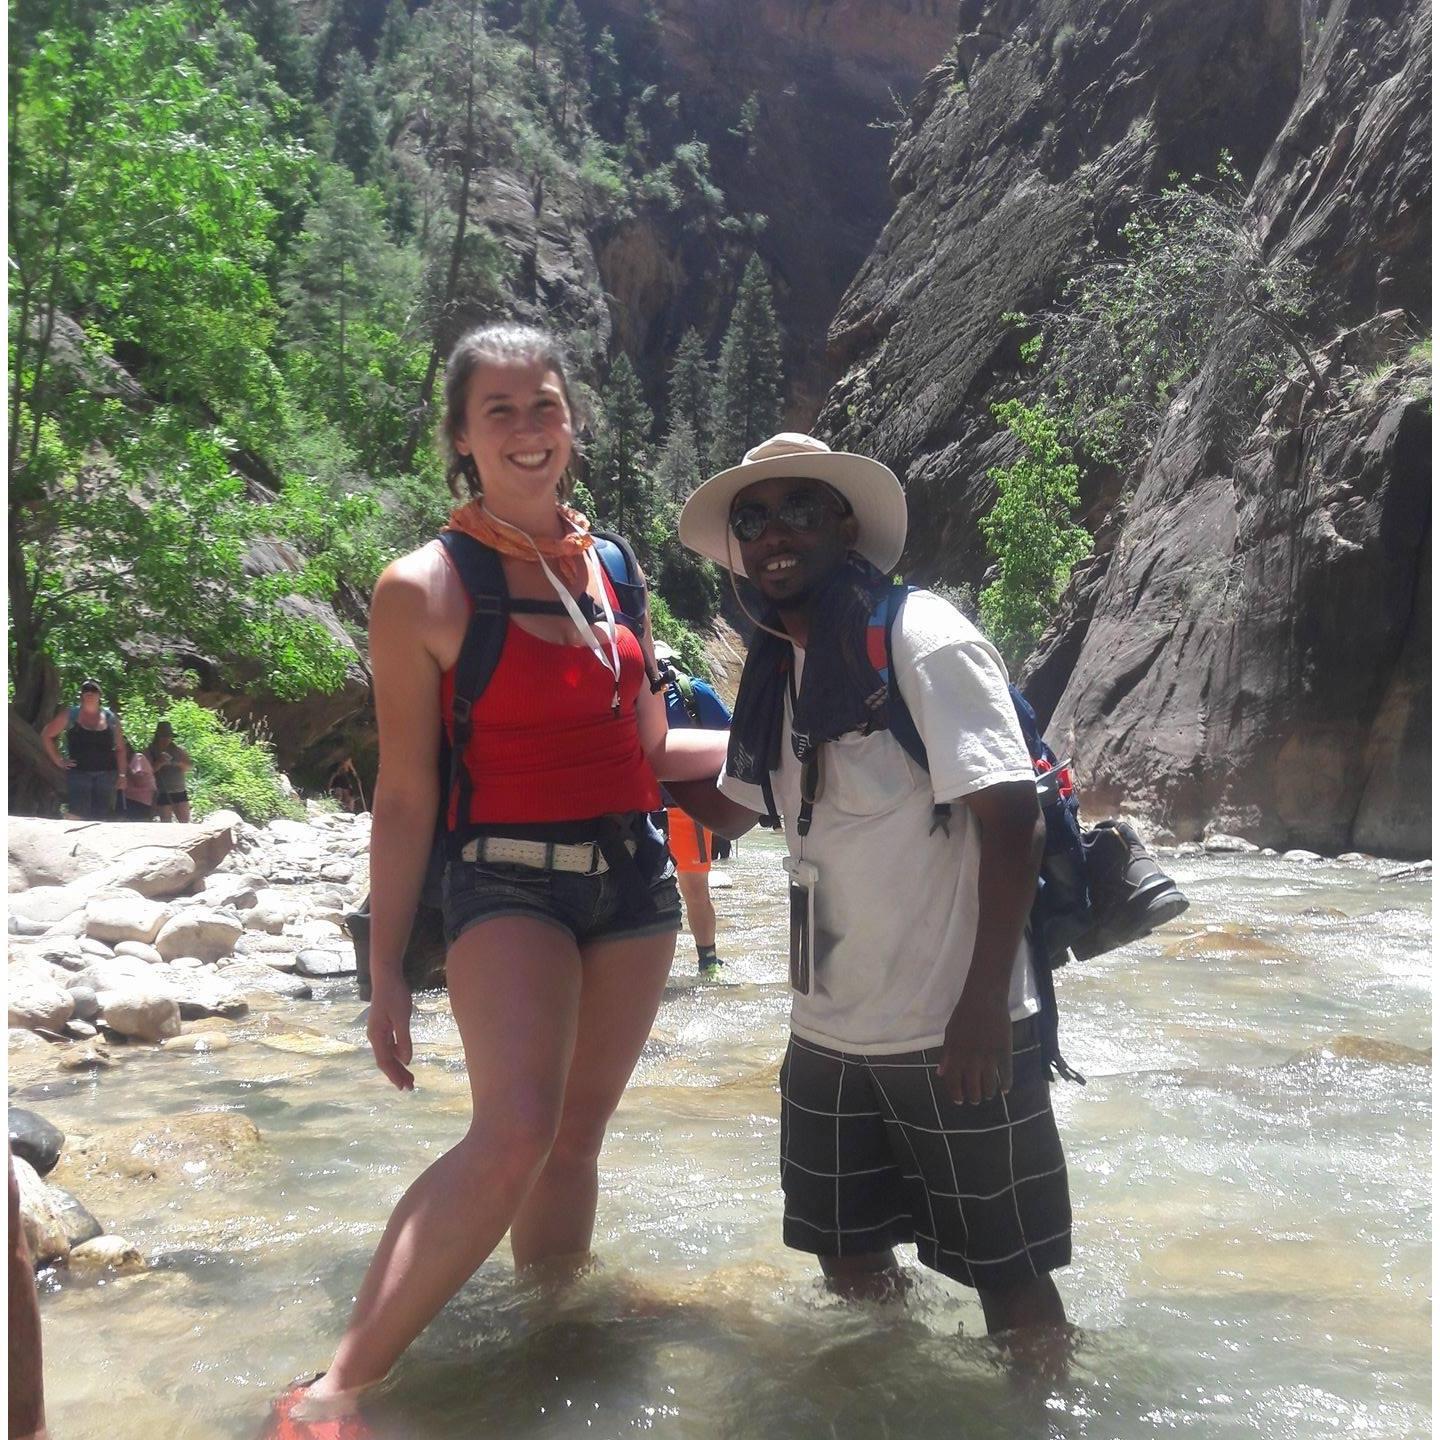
{"x":277,"y":37}
{"x":692,"y":395}
{"x":605,"y":84}
{"x":396,"y":34}
{"x":751,"y":385}
{"x":572,"y":47}
{"x":622,"y":481}
{"x":357,"y":122}
{"x":677,"y":472}
{"x":534,"y":27}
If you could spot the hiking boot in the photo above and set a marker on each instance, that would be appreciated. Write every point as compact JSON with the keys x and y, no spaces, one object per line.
{"x":1130,"y":895}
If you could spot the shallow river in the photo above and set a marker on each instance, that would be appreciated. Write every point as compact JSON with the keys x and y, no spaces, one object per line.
{"x":1252,"y":1211}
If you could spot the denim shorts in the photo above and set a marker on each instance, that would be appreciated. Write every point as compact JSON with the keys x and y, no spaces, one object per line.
{"x":587,"y":907}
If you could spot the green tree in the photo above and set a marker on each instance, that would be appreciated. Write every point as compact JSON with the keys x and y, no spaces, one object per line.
{"x":351,"y":298}
{"x":606,"y":84}
{"x":140,"y":219}
{"x":691,"y":396}
{"x":356,"y":120}
{"x":277,"y":37}
{"x":534,"y":27}
{"x":750,"y":388}
{"x":621,"y":481}
{"x":1030,"y":531}
{"x":572,"y":49}
{"x":677,"y":472}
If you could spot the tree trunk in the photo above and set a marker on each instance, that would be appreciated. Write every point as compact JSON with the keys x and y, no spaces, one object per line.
{"x":36,"y":786}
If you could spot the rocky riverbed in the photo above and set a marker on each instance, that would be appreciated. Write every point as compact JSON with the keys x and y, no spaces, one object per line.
{"x":124,"y":940}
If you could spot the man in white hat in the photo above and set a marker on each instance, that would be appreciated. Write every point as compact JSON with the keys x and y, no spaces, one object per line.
{"x":914,"y":1096}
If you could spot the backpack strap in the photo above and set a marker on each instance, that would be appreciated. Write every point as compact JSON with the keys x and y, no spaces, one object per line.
{"x":483,"y":577}
{"x":686,"y":691}
{"x":902,"y":723}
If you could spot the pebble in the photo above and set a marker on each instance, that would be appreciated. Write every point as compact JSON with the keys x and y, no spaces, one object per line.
{"x":106,"y":1252}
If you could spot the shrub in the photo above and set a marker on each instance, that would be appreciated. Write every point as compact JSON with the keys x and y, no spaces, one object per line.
{"x":232,"y":769}
{"x":1030,"y":532}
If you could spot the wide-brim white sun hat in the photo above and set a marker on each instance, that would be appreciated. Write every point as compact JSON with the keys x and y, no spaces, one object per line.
{"x":871,"y":488}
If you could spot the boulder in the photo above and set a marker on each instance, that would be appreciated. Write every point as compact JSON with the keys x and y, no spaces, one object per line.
{"x":59,"y":852}
{"x":148,"y":953}
{"x":253,"y":975}
{"x":35,"y":1139}
{"x":19,"y":925}
{"x":188,"y":1149}
{"x":323,"y":964}
{"x":42,"y":1216}
{"x":125,"y":916}
{"x":207,"y":933}
{"x":80,"y":1225}
{"x":36,"y":999}
{"x":201,"y":993}
{"x":106,"y":1252}
{"x":1302,"y":857}
{"x":80,"y":1029}
{"x":98,"y":948}
{"x":1220,"y":844}
{"x":150,"y":1014}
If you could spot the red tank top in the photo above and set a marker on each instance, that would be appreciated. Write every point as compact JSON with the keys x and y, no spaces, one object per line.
{"x":545,"y":742}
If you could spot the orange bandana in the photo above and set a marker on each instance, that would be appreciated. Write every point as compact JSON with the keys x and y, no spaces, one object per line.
{"x":567,"y":552}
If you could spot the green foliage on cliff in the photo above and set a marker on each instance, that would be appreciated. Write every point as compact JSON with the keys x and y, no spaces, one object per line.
{"x":1194,"y":284}
{"x":1031,"y":532}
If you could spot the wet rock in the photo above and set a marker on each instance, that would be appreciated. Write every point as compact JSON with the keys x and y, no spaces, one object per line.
{"x":106,"y":1252}
{"x":249,"y":975}
{"x":148,"y":953}
{"x":1354,"y":857}
{"x":1307,"y":857}
{"x":1221,"y":844}
{"x":151,"y":1014}
{"x":36,"y":999}
{"x":200,"y":994}
{"x":92,"y":1055}
{"x":301,"y":1043}
{"x":42,"y":1217}
{"x":35,"y":1140}
{"x":1419,"y":871}
{"x":203,"y":932}
{"x":80,"y":1225}
{"x":21,"y":1040}
{"x":1189,"y":847}
{"x":125,"y":916}
{"x":185,"y":1150}
{"x":1377,"y":1052}
{"x":321,"y":964}
{"x":1268,"y":853}
{"x":1226,"y":940}
{"x":209,"y":1043}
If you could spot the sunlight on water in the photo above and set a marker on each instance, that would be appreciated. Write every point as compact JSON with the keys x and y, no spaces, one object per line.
{"x":1249,"y":1163}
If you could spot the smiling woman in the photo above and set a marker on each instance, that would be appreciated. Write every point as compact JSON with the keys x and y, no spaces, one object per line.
{"x":560,"y":904}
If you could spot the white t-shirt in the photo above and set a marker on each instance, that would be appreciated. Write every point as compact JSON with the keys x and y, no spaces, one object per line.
{"x":895,"y":906}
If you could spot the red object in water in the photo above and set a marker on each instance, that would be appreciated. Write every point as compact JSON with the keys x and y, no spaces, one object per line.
{"x":283,"y":1425}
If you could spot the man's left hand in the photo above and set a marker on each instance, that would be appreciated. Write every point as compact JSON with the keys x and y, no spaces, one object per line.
{"x":976,"y":1064}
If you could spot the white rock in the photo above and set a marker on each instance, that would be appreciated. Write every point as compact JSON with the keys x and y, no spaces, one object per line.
{"x":87,"y":1003}
{"x":1220,"y":844}
{"x":36,"y":998}
{"x":323,"y":964}
{"x":202,"y":992}
{"x":97,"y":948}
{"x":187,"y":962}
{"x":208,"y":1043}
{"x":337,"y":870}
{"x":1354,"y":857}
{"x":106,"y":1252}
{"x":148,"y":953}
{"x":150,"y":1014}
{"x":206,"y":933}
{"x":41,"y":1215}
{"x":125,"y":916}
{"x":250,"y":975}
{"x":1301,"y":856}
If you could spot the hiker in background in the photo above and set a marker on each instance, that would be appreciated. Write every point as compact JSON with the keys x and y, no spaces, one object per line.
{"x":344,"y":787}
{"x":95,"y":759}
{"x":692,"y":702}
{"x":140,"y":786}
{"x":560,"y":904}
{"x":915,"y":1103}
{"x":172,"y":764}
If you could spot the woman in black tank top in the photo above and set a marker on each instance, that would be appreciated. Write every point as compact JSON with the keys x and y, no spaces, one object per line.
{"x":95,"y":758}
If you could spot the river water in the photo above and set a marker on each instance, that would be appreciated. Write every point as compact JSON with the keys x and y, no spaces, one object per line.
{"x":1251,"y":1184}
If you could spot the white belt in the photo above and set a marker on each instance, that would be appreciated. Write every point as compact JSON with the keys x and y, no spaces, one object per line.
{"x":583,"y":858}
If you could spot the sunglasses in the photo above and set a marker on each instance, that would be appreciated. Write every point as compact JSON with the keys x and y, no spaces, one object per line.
{"x":802,"y":511}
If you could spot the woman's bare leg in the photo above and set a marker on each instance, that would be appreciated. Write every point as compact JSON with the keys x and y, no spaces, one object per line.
{"x":620,"y":993}
{"x":515,"y":992}
{"x":182,"y":812}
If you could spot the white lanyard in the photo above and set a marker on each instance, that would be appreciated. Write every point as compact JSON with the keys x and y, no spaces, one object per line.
{"x":611,"y":661}
{"x":592,"y":567}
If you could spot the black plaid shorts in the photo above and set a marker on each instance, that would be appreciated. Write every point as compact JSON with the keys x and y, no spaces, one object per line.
{"x":873,"y":1153}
